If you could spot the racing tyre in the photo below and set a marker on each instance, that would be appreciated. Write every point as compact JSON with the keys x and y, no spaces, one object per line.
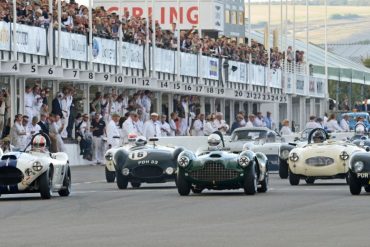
{"x":310,"y":180}
{"x":183,"y":187}
{"x":367,"y":188}
{"x":46,"y":184}
{"x":122,"y":181}
{"x":283,"y":169}
{"x":109,"y":176}
{"x":264,"y":185}
{"x":135,"y":185}
{"x":293,"y":179}
{"x":67,"y":184}
{"x":250,"y":181}
{"x":354,"y":185}
{"x":196,"y":190}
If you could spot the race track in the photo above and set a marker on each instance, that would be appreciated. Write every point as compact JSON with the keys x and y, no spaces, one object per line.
{"x":98,"y":214}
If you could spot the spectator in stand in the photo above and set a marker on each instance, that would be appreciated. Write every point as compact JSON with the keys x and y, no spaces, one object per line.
{"x":56,"y":129}
{"x":251,"y":120}
{"x":44,"y":125}
{"x":285,"y":130}
{"x":56,"y":107}
{"x":220,"y":123}
{"x":165,"y":127}
{"x":259,"y":120}
{"x":28,"y":102}
{"x":312,"y":124}
{"x":238,"y":122}
{"x":152,"y":127}
{"x":33,"y":128}
{"x":113,"y":133}
{"x":210,"y":126}
{"x":98,"y":131}
{"x":269,"y":121}
{"x":332,"y":124}
{"x":199,"y":125}
{"x":173,"y":125}
{"x":344,"y":123}
{"x":18,"y":133}
{"x":131,"y":126}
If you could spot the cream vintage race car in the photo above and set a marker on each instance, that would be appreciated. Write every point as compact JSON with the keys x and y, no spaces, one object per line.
{"x":320,"y":158}
{"x":35,"y":171}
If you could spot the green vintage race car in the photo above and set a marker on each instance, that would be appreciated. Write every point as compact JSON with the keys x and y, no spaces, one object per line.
{"x":218,"y":169}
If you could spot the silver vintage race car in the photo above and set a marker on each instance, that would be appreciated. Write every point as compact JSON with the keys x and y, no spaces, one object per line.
{"x":36,"y":170}
{"x":257,"y":139}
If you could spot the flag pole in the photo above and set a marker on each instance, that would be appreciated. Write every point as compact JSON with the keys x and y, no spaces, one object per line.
{"x":154,"y":45}
{"x":178,"y":67}
{"x":249,"y":43}
{"x":147,"y":46}
{"x":200,"y":48}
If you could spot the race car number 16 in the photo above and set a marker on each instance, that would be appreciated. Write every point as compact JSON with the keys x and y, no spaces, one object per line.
{"x":138,"y":155}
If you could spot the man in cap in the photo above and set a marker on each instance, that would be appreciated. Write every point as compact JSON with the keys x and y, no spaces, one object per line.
{"x":152,"y":127}
{"x":113,"y":133}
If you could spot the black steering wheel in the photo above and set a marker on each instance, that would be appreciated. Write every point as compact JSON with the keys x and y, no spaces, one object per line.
{"x":317,"y":129}
{"x":47,"y":138}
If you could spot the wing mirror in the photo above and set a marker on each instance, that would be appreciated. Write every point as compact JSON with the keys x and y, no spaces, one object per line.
{"x":153,"y":139}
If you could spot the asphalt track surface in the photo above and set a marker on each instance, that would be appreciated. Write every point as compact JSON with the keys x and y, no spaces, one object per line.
{"x":98,"y":214}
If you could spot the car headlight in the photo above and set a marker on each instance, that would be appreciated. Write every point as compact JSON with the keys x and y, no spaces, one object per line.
{"x":359,"y":165}
{"x":169,"y":171}
{"x":344,"y":155}
{"x":244,"y":161}
{"x":183,"y":161}
{"x":125,"y":171}
{"x":109,"y":156}
{"x":294,"y":157}
{"x":36,"y":166}
{"x":285,"y":154}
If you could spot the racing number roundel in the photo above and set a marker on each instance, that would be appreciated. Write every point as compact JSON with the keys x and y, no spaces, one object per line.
{"x":138,"y":155}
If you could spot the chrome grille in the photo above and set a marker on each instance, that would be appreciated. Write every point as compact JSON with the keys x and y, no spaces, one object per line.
{"x":320,"y":161}
{"x":147,"y":171}
{"x":214,"y":171}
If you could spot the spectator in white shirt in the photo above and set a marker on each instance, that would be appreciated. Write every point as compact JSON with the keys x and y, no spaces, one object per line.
{"x":28,"y":102}
{"x":113,"y":133}
{"x":220,"y":123}
{"x":130,"y":126}
{"x":332,"y":124}
{"x":344,"y":124}
{"x":18,"y":133}
{"x":33,"y":128}
{"x":198,"y":126}
{"x":172,"y":123}
{"x":312,"y":124}
{"x":259,"y":120}
{"x":165,"y":127}
{"x":251,"y":119}
{"x":152,"y":127}
{"x":210,"y":126}
{"x":285,"y":130}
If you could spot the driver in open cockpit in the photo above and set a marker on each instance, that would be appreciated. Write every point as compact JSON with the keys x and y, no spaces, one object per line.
{"x":360,"y":130}
{"x":131,"y":138}
{"x":140,"y":141}
{"x":318,"y":137}
{"x":39,"y":144}
{"x":214,"y":142}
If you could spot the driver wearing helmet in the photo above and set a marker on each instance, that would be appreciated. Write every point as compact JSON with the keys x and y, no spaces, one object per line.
{"x":132,"y":139}
{"x":39,"y":144}
{"x":360,"y":130}
{"x":214,"y":142}
{"x":318,"y":137}
{"x":140,"y":141}
{"x":270,"y":137}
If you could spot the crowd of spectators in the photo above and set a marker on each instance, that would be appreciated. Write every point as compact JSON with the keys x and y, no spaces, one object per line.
{"x":75,"y":18}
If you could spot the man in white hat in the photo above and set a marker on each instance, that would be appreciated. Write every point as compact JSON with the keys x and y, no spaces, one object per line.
{"x":152,"y":127}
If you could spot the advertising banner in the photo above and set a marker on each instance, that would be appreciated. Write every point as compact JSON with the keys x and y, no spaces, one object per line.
{"x":189,"y":64}
{"x":104,"y":51}
{"x":165,"y":60}
{"x":275,"y":78}
{"x":258,"y":75}
{"x":31,"y":40}
{"x":132,"y":56}
{"x":210,"y":68}
{"x":4,"y":36}
{"x":238,"y":72}
{"x":73,"y":46}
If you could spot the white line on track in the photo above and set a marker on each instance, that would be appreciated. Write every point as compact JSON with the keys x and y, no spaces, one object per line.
{"x":89,"y":182}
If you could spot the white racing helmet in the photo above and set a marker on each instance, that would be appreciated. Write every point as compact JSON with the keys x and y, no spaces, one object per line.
{"x":214,"y":141}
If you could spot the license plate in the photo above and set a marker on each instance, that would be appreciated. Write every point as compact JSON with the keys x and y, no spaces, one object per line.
{"x":362,"y":175}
